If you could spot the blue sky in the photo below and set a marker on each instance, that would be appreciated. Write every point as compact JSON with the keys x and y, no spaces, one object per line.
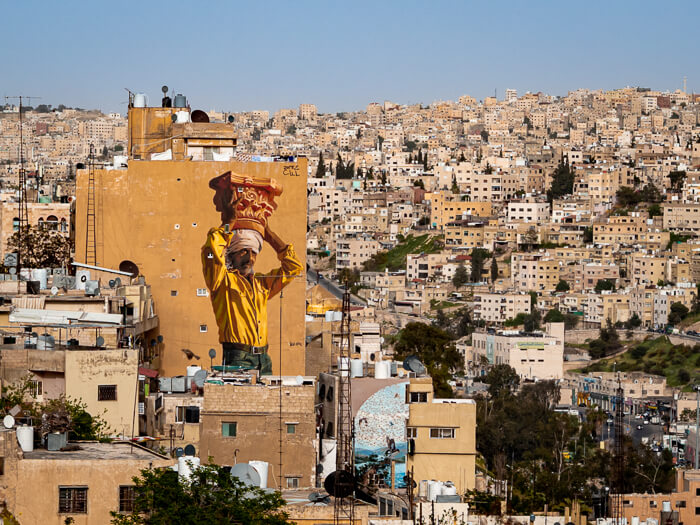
{"x":240,"y":56}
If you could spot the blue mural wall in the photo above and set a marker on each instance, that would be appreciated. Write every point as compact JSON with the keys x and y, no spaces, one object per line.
{"x":380,"y":432}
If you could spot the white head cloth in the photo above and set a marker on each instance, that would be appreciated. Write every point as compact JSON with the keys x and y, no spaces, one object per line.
{"x":243,"y":239}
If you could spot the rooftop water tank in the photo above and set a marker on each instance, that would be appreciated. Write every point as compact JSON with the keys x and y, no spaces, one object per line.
{"x":25,"y":437}
{"x":356,"y":368}
{"x":185,"y":466}
{"x":180,"y":101}
{"x":139,"y":100}
{"x":261,"y":467}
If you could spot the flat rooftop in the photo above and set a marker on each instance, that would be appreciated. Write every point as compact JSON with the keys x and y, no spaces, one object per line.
{"x":94,"y":450}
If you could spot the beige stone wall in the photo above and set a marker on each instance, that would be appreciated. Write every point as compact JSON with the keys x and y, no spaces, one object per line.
{"x":87,"y":369}
{"x":157,"y":214}
{"x":36,"y":210}
{"x":256,"y":411}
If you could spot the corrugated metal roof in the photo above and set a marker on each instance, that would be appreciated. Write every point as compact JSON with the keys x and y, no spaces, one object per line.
{"x":62,"y":317}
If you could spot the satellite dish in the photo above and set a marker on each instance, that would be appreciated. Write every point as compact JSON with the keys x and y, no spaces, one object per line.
{"x":13,"y":270}
{"x":164,"y":89}
{"x":199,"y":116}
{"x":117,"y":282}
{"x":212,"y":353}
{"x":190,"y":450}
{"x":343,"y":488}
{"x":247,"y":474}
{"x":100,"y":341}
{"x":54,"y":290}
{"x":15,"y":410}
{"x":413,"y":364}
{"x":299,"y":380}
{"x":153,"y":342}
{"x":159,"y":338}
{"x":8,"y":421}
{"x":112,"y":283}
{"x":179,"y":452}
{"x":199,"y":377}
{"x":173,"y":117}
{"x":230,"y":119}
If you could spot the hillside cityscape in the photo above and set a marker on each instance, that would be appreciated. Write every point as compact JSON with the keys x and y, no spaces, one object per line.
{"x":471,"y":311}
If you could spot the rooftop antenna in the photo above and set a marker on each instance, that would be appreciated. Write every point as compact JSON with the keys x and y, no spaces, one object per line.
{"x":23,"y":213}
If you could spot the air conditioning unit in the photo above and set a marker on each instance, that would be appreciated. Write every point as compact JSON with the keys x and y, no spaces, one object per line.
{"x":92,"y":288}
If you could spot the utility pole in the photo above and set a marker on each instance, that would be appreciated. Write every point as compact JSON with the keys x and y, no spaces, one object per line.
{"x":23,"y":213}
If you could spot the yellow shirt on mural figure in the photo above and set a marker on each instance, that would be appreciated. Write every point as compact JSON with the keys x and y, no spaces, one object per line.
{"x":240,"y":306}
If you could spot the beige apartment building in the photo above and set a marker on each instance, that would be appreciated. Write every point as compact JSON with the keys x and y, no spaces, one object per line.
{"x":683,"y":217}
{"x":352,"y":252}
{"x":499,"y":307}
{"x":464,"y":234}
{"x":528,"y":212}
{"x":445,"y":209}
{"x":537,"y":355}
{"x":534,"y":271}
{"x":51,"y":216}
{"x":425,"y":266}
{"x":441,"y":436}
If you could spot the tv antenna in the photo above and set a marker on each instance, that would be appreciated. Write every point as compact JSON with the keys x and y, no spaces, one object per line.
{"x":23,"y":212}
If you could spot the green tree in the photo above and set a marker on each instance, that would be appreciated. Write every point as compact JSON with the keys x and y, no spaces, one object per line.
{"x":436,"y":350}
{"x":604,"y":285}
{"x":562,"y":286}
{"x":503,"y":381}
{"x":494,"y":270}
{"x":678,"y":312}
{"x":677,"y":179}
{"x":478,"y":258}
{"x":532,"y":321}
{"x":633,"y":322}
{"x":40,"y":248}
{"x":484,"y":135}
{"x":461,"y":277}
{"x":455,"y":186}
{"x":607,"y":343}
{"x":626,"y":196}
{"x":588,"y":234}
{"x":651,"y":193}
{"x":554,"y":316}
{"x":321,"y":168}
{"x":655,"y":210}
{"x":418,"y":183}
{"x":562,"y":182}
{"x":211,"y":495}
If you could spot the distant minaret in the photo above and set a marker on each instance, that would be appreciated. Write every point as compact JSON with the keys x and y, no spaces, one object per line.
{"x":685,"y":84}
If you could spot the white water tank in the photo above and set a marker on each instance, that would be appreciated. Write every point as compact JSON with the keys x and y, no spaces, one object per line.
{"x":261,"y":467}
{"x":665,"y":506}
{"x":344,"y":366}
{"x":25,"y":436}
{"x":192,"y":370}
{"x":41,"y":275}
{"x":329,"y":448}
{"x":449,"y":489}
{"x":139,"y":100}
{"x":185,"y":466}
{"x":635,"y":520}
{"x":434,"y":489}
{"x":382,"y":369}
{"x":356,"y":368}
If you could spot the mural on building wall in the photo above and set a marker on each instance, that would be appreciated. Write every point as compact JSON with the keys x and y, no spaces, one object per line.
{"x":380,"y":434}
{"x":238,"y":293}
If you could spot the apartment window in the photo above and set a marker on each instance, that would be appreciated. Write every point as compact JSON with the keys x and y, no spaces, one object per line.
{"x":72,"y":500}
{"x":202,"y":328}
{"x":292,"y":482}
{"x":411,"y":432}
{"x":418,"y":397}
{"x":292,"y":428}
{"x":107,"y":393}
{"x":442,"y":433}
{"x":680,"y":504}
{"x":36,"y":388}
{"x":229,"y":429}
{"x":126,"y":498}
{"x":652,"y":504}
{"x":173,"y":293}
{"x":201,"y":292}
{"x":187,"y":414}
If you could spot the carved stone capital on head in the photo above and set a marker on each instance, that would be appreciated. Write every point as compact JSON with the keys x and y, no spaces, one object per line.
{"x":253,"y":199}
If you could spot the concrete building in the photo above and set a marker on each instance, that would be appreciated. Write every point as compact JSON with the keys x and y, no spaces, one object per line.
{"x":538,"y":355}
{"x":243,"y":422}
{"x":441,"y":436}
{"x":499,"y":307}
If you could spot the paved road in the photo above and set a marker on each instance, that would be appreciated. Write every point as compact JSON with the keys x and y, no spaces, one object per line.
{"x":312,"y":276}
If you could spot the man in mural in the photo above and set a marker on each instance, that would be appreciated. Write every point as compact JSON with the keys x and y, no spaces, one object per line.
{"x":238,"y":294}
